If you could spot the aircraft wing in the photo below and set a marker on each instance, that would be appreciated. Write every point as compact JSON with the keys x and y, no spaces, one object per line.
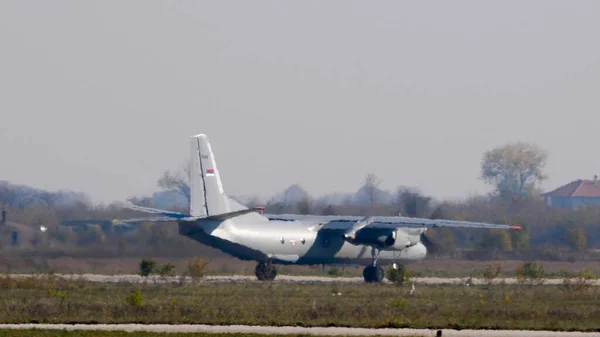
{"x":332,"y":222}
{"x":406,"y":222}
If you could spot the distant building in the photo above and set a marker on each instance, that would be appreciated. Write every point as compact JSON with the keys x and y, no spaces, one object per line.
{"x":575,"y":194}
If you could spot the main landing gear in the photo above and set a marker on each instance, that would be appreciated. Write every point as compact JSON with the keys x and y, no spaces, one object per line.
{"x":373,"y":273}
{"x":265,"y":271}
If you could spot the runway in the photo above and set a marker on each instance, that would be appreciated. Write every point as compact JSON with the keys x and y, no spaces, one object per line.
{"x":297,"y":330}
{"x":285,"y":278}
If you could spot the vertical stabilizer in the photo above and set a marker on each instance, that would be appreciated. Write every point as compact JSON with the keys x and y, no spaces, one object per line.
{"x":206,"y":190}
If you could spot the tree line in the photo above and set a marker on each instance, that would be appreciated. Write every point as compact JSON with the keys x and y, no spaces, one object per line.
{"x":515,"y":171}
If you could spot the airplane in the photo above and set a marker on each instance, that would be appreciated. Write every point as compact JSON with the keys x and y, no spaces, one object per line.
{"x":220,"y":222}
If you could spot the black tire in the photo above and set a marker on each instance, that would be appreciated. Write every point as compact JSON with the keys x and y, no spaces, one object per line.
{"x":373,"y":274}
{"x":379,"y":274}
{"x":369,"y":274}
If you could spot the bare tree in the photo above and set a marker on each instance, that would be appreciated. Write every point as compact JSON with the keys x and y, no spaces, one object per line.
{"x":7,"y":195}
{"x":371,"y":187}
{"x":49,"y":198}
{"x":412,"y":203}
{"x":140,"y":201}
{"x":304,"y":206}
{"x":177,"y":181}
{"x":514,"y":169}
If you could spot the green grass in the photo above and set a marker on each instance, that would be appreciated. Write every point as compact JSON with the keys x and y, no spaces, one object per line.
{"x":53,"y":300}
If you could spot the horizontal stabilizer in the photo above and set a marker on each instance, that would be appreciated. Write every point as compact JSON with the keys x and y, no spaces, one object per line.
{"x":157,"y":219}
{"x":230,"y":215}
{"x":174,"y":216}
{"x":156,"y":211}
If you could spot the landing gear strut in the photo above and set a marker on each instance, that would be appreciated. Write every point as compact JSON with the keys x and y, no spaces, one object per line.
{"x":265,"y":271}
{"x":373,"y":273}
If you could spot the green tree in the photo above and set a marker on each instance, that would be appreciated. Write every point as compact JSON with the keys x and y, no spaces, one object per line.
{"x":514,"y":169}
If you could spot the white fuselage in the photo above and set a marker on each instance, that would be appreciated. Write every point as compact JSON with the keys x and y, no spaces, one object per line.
{"x":296,"y":242}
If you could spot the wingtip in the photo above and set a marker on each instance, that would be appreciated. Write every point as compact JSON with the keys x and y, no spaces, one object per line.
{"x":200,"y":135}
{"x":516,"y":227}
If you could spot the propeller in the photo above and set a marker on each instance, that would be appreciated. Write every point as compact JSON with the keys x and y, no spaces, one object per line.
{"x":432,"y":245}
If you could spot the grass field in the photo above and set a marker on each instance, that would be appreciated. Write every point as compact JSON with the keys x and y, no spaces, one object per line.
{"x":53,"y":300}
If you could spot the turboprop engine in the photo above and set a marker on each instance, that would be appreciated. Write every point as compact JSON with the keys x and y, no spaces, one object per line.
{"x":385,"y":239}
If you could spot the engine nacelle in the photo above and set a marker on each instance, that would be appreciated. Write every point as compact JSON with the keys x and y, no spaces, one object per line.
{"x":384,"y":239}
{"x":399,"y":241}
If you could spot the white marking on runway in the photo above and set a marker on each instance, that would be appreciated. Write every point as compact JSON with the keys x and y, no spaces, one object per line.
{"x":332,"y":331}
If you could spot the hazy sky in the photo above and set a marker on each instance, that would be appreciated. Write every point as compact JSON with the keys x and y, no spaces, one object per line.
{"x":102,"y":96}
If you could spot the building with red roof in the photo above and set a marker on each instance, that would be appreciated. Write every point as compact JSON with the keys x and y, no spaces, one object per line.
{"x":575,"y":194}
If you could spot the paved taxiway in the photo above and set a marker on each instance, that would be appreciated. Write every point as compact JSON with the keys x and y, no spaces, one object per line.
{"x":297,"y":330}
{"x":282,"y":278}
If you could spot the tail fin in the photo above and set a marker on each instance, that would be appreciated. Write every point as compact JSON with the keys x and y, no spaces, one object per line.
{"x":207,"y":197}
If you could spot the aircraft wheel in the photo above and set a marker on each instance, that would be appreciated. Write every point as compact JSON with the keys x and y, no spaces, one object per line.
{"x":367,"y":274}
{"x":265,"y":271}
{"x":379,"y":274}
{"x":373,"y":274}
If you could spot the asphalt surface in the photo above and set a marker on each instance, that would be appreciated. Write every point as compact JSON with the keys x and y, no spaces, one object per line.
{"x":282,"y":278}
{"x":296,"y":330}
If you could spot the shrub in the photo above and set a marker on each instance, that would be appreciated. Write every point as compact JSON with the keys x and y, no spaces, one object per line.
{"x":166,"y":270}
{"x":531,"y":273}
{"x":492,"y":271}
{"x":147,"y":267}
{"x":583,"y":280}
{"x":399,"y":303}
{"x":135,"y":299}
{"x":197,"y":268}
{"x":334,"y":271}
{"x":398,"y":276}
